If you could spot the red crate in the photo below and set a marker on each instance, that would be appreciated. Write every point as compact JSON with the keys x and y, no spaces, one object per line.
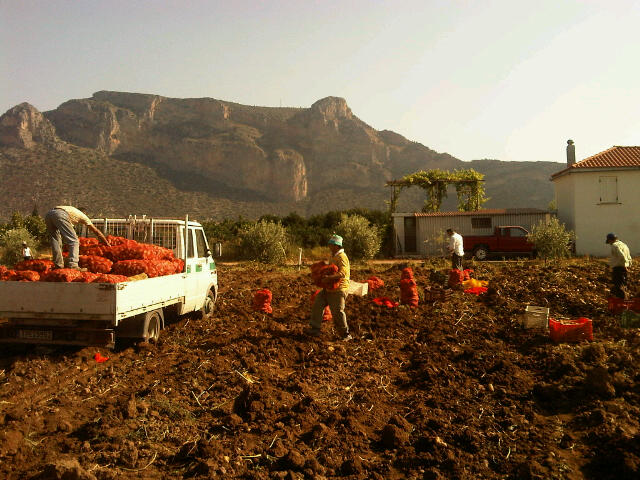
{"x":570,"y":330}
{"x":618,"y":305}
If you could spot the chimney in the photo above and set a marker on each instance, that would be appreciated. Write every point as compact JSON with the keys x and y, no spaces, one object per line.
{"x":571,"y":153}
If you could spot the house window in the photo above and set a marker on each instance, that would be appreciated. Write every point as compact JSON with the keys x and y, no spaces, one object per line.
{"x":481,"y":222}
{"x":608,"y":189}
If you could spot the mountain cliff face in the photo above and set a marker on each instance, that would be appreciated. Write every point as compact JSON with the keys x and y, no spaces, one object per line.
{"x":287,"y":156}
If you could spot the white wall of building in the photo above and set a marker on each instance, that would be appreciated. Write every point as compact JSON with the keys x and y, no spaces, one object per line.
{"x":580,"y":203}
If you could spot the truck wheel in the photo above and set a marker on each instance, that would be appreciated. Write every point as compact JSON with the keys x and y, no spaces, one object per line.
{"x":153,"y":325}
{"x":209,"y":305}
{"x":481,"y":253}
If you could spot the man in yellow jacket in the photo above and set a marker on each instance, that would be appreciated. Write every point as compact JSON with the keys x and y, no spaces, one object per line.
{"x":335,"y":298}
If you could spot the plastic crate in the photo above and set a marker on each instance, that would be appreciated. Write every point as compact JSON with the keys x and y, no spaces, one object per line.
{"x":618,"y":305}
{"x":535,"y":317}
{"x":357,"y":288}
{"x":629,"y":319}
{"x":570,"y":330}
{"x":435,"y":294}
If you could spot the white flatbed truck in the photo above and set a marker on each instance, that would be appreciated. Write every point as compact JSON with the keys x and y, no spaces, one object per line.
{"x":100,"y":313}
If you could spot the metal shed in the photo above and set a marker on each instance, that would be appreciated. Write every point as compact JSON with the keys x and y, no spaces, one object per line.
{"x":422,"y":234}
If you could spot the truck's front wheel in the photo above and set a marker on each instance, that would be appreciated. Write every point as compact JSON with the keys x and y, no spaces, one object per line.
{"x":481,"y":252}
{"x":209,"y":305}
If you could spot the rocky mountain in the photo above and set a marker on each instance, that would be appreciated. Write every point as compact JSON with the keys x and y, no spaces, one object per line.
{"x":139,"y":153}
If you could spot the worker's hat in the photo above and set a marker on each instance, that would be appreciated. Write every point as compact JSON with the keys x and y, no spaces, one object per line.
{"x":611,"y":236}
{"x":335,"y":240}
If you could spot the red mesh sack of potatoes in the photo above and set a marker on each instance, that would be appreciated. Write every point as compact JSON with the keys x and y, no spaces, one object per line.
{"x":113,"y":241}
{"x":96,"y":250}
{"x":408,"y":292}
{"x":153,"y":268}
{"x":407,"y":273}
{"x":116,"y":253}
{"x":316,"y":273}
{"x":24,"y":276}
{"x":262,"y":301}
{"x":144,"y":251}
{"x":330,"y":270}
{"x":95,"y":264}
{"x":326,"y":314}
{"x":40,"y":266}
{"x":375,"y":282}
{"x":61,"y":275}
{"x":87,"y":242}
{"x":3,"y":272}
{"x":110,"y":278}
{"x":162,"y":267}
{"x":129,"y":268}
{"x":178,"y":263}
{"x":320,"y":270}
{"x":86,"y":277}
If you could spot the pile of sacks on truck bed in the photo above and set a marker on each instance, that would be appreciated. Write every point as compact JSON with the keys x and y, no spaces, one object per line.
{"x":104,"y":264}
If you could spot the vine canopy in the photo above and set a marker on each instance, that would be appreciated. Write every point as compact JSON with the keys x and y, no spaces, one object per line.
{"x":468,"y":184}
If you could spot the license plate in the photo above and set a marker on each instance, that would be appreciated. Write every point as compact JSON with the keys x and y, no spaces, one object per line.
{"x":35,"y":334}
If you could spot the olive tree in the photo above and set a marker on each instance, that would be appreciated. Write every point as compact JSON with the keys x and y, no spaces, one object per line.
{"x":264,"y":241}
{"x":361,"y":240}
{"x":551,"y":240}
{"x":11,"y":242}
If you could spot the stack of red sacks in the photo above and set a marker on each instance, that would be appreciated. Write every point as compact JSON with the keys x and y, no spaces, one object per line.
{"x":326,"y":315}
{"x":105,"y":264}
{"x":408,"y":288}
{"x":319,"y":270}
{"x":262,"y":301}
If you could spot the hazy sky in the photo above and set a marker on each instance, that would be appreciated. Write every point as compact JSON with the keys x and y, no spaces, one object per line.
{"x":505,"y":79}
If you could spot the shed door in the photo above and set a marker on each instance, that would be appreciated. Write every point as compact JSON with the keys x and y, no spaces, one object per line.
{"x":410,"y":234}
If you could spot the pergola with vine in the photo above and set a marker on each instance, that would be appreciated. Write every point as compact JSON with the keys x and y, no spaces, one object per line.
{"x":468,"y":183}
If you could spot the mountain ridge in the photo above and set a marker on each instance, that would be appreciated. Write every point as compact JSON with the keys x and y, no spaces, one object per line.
{"x":223,"y":158}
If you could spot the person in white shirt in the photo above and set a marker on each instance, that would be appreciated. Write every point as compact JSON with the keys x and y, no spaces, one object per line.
{"x":455,"y":248}
{"x":26,"y":252}
{"x":60,"y":221}
{"x":620,"y":262}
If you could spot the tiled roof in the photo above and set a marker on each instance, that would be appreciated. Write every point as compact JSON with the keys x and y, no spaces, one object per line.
{"x":614,"y":157}
{"x":488,"y":211}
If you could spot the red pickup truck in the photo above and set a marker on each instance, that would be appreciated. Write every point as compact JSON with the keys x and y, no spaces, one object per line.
{"x":506,"y":240}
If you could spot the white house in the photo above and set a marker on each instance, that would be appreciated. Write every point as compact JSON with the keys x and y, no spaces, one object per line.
{"x":598,"y":195}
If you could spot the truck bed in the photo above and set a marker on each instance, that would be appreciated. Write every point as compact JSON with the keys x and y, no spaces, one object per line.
{"x":89,"y":301}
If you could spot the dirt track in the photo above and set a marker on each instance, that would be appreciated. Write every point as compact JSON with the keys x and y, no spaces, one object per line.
{"x":442,"y":391}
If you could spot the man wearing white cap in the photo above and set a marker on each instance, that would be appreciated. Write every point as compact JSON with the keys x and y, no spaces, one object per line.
{"x":335,"y":298}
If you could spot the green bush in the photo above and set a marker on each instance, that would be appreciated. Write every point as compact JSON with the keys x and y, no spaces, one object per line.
{"x":361,"y":240}
{"x":11,"y":241}
{"x":264,"y":241}
{"x":36,"y":227}
{"x":551,"y":240}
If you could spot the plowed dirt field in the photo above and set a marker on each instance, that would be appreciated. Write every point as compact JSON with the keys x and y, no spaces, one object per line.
{"x":453,"y":390}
